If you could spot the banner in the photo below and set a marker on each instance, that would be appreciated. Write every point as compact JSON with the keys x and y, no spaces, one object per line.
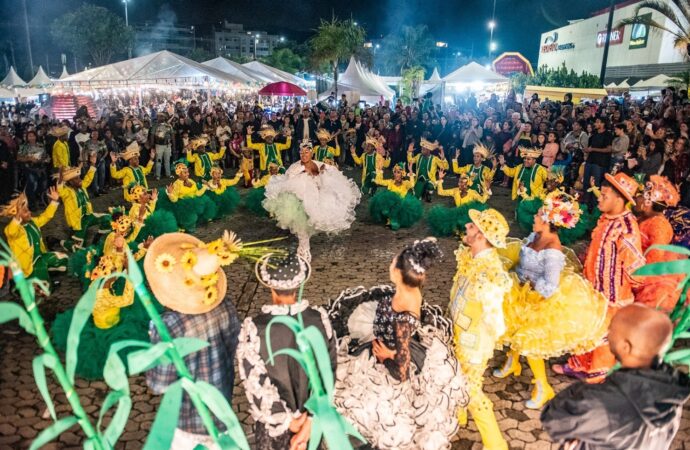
{"x":640,"y":33}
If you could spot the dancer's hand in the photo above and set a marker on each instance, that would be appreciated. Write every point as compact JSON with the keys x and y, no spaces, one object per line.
{"x":301,"y":426}
{"x":457,"y":153}
{"x":154,"y":195}
{"x":441,"y":174}
{"x":381,"y":352}
{"x":53,"y":194}
{"x":410,"y":148}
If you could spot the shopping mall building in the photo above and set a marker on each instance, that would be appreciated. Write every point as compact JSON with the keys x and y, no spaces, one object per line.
{"x":635,"y":51}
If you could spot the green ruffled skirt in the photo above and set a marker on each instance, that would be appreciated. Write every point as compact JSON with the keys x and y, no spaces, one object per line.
{"x":444,"y":221}
{"x":402,"y":212}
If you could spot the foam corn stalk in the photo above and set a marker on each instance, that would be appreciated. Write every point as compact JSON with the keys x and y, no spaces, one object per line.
{"x":312,"y":355}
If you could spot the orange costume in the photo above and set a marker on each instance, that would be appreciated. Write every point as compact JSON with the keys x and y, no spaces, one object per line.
{"x":612,"y":258}
{"x":661,"y":291}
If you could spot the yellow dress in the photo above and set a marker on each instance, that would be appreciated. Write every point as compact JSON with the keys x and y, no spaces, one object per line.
{"x":401,"y":189}
{"x":470,"y":195}
{"x":551,"y":310}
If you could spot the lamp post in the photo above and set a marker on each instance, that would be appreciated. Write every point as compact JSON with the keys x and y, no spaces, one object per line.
{"x":28,"y":37}
{"x":256,"y":41}
{"x":492,"y":44}
{"x":129,"y":49}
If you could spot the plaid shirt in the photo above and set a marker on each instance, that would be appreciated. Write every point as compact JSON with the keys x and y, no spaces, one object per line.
{"x":213,"y":364}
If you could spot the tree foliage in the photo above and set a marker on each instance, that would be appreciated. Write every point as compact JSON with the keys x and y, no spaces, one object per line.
{"x":93,"y":33}
{"x":409,"y":47}
{"x":676,"y":11}
{"x":335,"y":42}
{"x":411,"y":82}
{"x":680,"y":80}
{"x":560,"y":77}
{"x":285,"y":59}
{"x":200,"y":55}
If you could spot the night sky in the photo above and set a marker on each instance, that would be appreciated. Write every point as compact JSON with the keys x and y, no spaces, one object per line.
{"x":463,"y":24}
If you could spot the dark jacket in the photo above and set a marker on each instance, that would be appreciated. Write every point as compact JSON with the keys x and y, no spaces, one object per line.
{"x":299,"y":130}
{"x":631,"y":410}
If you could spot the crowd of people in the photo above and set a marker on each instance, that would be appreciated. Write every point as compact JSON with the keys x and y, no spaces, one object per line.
{"x":614,"y":172}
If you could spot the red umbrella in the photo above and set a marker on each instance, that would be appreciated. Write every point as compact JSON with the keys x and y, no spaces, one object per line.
{"x":283,"y":88}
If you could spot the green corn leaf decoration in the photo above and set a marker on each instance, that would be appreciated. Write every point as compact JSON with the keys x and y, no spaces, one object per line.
{"x":164,"y":425}
{"x":10,"y":311}
{"x":313,"y":357}
{"x":39,"y":366}
{"x":53,"y":431}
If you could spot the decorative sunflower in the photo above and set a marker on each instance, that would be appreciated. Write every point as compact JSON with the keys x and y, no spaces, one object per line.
{"x":211,"y":295}
{"x":189,"y":260}
{"x":214,"y":247}
{"x":209,"y":280}
{"x":226,"y":258}
{"x":165,"y":263}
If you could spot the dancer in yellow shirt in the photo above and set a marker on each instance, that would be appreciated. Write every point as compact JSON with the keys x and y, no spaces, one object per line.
{"x":396,"y":206}
{"x":444,"y":221}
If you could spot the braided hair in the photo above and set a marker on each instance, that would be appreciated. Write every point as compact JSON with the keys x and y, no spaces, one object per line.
{"x":414,"y":260}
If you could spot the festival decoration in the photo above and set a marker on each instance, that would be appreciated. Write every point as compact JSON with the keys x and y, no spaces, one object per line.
{"x":681,"y":313}
{"x":312,"y":355}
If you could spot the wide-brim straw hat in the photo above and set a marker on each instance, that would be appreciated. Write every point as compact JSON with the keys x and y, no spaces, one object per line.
{"x":267,"y":131}
{"x":624,"y":184}
{"x":60,"y":131}
{"x":176,"y":265}
{"x":527,"y":152}
{"x":282,"y":272}
{"x":14,"y":206}
{"x":70,"y":173}
{"x":322,"y":133}
{"x":492,"y":224}
{"x":425,"y":143}
{"x":132,"y":151}
{"x":199,"y":142}
{"x":480,"y":149}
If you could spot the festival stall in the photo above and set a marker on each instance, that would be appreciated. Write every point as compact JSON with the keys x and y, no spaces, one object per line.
{"x":474,"y":78}
{"x":358,"y":83}
{"x":274,"y":74}
{"x":557,"y":93}
{"x":12,"y":80}
{"x":238,"y":70}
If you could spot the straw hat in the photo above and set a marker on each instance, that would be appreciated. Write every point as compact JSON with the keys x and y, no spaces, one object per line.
{"x":624,"y":184}
{"x":481,"y":149}
{"x":199,"y":142}
{"x":323,"y":133}
{"x":282,"y":272}
{"x":556,"y":173}
{"x":60,"y":131}
{"x":14,"y":206}
{"x":69,"y":173}
{"x":492,"y":224}
{"x":306,"y":144}
{"x":428,"y":144}
{"x":184,"y":275}
{"x":527,"y":152}
{"x":659,"y":190}
{"x":267,"y":131}
{"x":132,"y":151}
{"x":370,"y":140}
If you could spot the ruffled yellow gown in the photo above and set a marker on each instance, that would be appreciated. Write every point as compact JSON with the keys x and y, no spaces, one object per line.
{"x":551,"y":314}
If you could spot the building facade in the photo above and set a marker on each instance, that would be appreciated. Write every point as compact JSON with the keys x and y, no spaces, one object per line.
{"x":635,"y":51}
{"x":154,"y":37}
{"x":233,"y":41}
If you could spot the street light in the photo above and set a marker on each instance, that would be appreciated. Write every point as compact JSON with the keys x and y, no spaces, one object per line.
{"x":492,"y":47}
{"x":129,"y":49}
{"x":492,"y":25}
{"x":282,"y":39}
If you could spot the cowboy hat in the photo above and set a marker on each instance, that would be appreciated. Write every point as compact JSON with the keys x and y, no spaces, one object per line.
{"x":624,"y":184}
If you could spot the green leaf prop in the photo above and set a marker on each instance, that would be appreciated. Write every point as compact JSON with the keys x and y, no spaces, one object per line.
{"x":11,"y":311}
{"x":681,"y":313}
{"x":161,"y":434}
{"x":53,"y":431}
{"x":39,"y":366}
{"x":313,"y":357}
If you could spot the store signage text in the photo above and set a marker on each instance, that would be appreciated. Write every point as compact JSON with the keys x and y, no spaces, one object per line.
{"x":551,"y":44}
{"x":616,"y":37}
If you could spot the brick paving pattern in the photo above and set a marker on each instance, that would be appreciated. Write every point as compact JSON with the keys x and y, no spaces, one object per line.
{"x":360,"y":256}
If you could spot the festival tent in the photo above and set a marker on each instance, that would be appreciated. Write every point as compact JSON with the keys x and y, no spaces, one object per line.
{"x":6,"y":93}
{"x":283,"y":89}
{"x":435,"y":76}
{"x":557,"y":93}
{"x":41,"y":79}
{"x":160,"y":68}
{"x":64,"y":73}
{"x":474,"y":73}
{"x":238,"y":70}
{"x":273,"y":73}
{"x":659,"y":82}
{"x":433,"y":84}
{"x":12,"y":79}
{"x":360,"y":84}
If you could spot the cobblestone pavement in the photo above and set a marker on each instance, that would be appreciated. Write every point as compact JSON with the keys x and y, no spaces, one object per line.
{"x":359,"y":256}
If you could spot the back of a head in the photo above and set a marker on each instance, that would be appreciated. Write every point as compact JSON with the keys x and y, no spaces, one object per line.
{"x":639,"y":336}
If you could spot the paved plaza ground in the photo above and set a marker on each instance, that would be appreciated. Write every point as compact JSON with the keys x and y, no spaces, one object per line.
{"x":360,"y":256}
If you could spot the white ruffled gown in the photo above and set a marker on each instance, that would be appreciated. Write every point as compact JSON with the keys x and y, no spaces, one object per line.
{"x":306,"y":204}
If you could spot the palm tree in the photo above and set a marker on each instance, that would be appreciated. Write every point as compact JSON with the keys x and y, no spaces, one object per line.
{"x":335,"y":42}
{"x":413,"y":46}
{"x":680,"y":80}
{"x":676,"y":11}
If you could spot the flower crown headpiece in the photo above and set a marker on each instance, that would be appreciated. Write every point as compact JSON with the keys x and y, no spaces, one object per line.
{"x":561,"y":209}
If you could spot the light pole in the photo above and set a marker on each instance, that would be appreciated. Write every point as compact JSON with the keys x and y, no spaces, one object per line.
{"x":492,"y":25}
{"x":129,"y":49}
{"x":256,"y":41}
{"x":28,"y":37}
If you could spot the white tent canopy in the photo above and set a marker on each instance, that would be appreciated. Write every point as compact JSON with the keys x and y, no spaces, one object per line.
{"x":273,"y":73}
{"x":238,"y":70}
{"x":164,"y":67}
{"x":6,"y":93}
{"x":474,"y":73}
{"x":41,"y":79}
{"x":64,"y":73}
{"x":12,"y":79}
{"x":435,"y":76}
{"x":658,"y":81}
{"x":358,"y":80}
{"x":624,"y":84}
